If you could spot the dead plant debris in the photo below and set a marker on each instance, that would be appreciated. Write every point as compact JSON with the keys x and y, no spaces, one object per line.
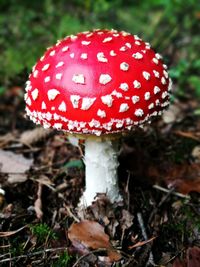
{"x":42,"y":179}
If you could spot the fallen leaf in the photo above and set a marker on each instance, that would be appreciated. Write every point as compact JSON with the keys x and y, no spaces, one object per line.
{"x":178,"y":263}
{"x":14,"y":165}
{"x":126,"y":220}
{"x":32,"y":136}
{"x":91,"y":234}
{"x":185,"y":178}
{"x":193,"y":257}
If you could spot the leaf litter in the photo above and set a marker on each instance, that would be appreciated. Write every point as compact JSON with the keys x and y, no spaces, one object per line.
{"x":91,"y":235}
{"x":42,"y":176}
{"x":15,"y":166}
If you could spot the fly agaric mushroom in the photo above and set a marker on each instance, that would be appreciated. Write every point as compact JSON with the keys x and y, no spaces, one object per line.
{"x":98,"y":85}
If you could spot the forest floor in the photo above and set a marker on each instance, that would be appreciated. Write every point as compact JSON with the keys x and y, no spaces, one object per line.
{"x":42,"y":180}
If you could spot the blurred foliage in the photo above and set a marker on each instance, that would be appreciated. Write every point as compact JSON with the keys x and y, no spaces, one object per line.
{"x":172,"y":27}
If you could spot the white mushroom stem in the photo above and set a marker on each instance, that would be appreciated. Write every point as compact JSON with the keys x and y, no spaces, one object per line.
{"x":101,"y":171}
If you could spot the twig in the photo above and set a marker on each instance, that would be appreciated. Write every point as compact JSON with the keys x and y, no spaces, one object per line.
{"x":38,"y":202}
{"x":158,"y":187}
{"x":127,"y":191}
{"x":160,"y":204}
{"x":172,"y":258}
{"x":76,"y":219}
{"x":144,"y":234}
{"x":9,"y":233}
{"x":29,"y":255}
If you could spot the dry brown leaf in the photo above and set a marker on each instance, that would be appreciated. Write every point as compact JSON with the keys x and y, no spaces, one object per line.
{"x":91,"y":234}
{"x":185,"y":177}
{"x":193,"y":257}
{"x":126,"y":220}
{"x":32,"y":136}
{"x":14,"y":165}
{"x":178,"y":263}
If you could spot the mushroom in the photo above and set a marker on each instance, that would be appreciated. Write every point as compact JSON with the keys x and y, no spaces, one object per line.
{"x":98,"y":85}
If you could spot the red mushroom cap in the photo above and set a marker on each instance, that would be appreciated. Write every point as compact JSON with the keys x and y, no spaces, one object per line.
{"x":97,"y":82}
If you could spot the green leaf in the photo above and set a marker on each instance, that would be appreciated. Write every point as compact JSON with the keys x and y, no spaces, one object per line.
{"x":195,"y":83}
